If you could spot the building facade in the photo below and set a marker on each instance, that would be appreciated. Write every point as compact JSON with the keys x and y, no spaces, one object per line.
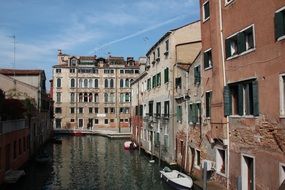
{"x":243,"y":52}
{"x":90,"y":92}
{"x":155,"y":92}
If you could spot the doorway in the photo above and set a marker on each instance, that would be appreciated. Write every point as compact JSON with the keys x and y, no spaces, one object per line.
{"x":247,"y":171}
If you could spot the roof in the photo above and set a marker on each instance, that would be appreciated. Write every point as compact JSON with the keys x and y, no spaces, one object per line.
{"x":11,"y":72}
{"x":167,"y":34}
{"x":184,"y":66}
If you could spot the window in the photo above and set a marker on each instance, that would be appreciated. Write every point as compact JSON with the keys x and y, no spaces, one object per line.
{"x":111,"y":83}
{"x":57,"y":123}
{"x":282,"y":94}
{"x":208,"y":97}
{"x":112,"y":110}
{"x":85,"y":83}
{"x":197,"y":159}
{"x":80,"y":122}
{"x":154,"y":81}
{"x":90,"y":110}
{"x":57,"y":110}
{"x":158,"y":79}
{"x":280,"y":24}
{"x":241,"y":98}
{"x":194,"y":113}
{"x":240,"y":42}
{"x":106,"y":110}
{"x":121,"y":83}
{"x":106,"y":83}
{"x":106,"y":97}
{"x":58,"y":82}
{"x":85,"y":97}
{"x":158,"y":109}
{"x":208,"y":59}
{"x":90,"y":123}
{"x":178,"y":83}
{"x":197,"y":75}
{"x":80,"y":83}
{"x":149,"y":84}
{"x":158,"y":54}
{"x":127,"y":83}
{"x":166,"y":108}
{"x":96,"y":99}
{"x":127,"y":97}
{"x":72,"y":120}
{"x":71,"y":70}
{"x":73,"y":62}
{"x":72,"y":83}
{"x":166,"y":47}
{"x":72,"y":110}
{"x":90,"y":83}
{"x":106,"y":121}
{"x":96,"y":121}
{"x":80,"y":110}
{"x":72,"y":97}
{"x":220,"y":161}
{"x":122,"y":71}
{"x":153,"y":54}
{"x":90,"y":97}
{"x":96,"y":110}
{"x":228,"y":2}
{"x":58,"y":70}
{"x":58,"y":97}
{"x":206,"y":11}
{"x":80,"y":97}
{"x":96,"y":83}
{"x":179,"y":113}
{"x":166,"y":140}
{"x":166,"y":77}
{"x":150,"y":108}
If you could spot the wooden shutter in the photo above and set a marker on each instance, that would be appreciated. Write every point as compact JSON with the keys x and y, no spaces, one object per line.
{"x":279,"y":25}
{"x":198,"y":74}
{"x":241,"y":47}
{"x":228,"y":47}
{"x":240,"y":99}
{"x":227,"y":101}
{"x":194,"y":113}
{"x":255,"y":98}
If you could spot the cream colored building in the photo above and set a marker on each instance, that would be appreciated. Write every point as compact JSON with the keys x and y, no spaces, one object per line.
{"x":91,"y":92}
{"x":157,"y":91}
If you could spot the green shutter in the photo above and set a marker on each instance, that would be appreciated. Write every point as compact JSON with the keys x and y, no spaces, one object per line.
{"x":189,"y":113}
{"x":228,"y":47}
{"x":227,"y":101}
{"x":240,"y":99}
{"x":158,"y":79}
{"x":206,"y":60}
{"x":255,"y":98}
{"x":279,"y":25}
{"x":241,"y":47}
{"x":198,"y":74}
{"x":166,"y":75}
{"x":166,"y":140}
{"x":195,"y":114}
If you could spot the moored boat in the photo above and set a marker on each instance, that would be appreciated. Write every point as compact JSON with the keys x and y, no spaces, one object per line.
{"x":176,"y":179}
{"x":43,"y":158}
{"x":12,"y":176}
{"x":130,"y":145}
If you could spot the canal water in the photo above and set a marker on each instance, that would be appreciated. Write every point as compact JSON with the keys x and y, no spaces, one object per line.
{"x":92,"y":162}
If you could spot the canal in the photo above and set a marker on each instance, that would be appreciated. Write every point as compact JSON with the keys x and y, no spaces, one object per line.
{"x":92,"y":162}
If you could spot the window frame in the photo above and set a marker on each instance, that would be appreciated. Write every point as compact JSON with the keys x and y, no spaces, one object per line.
{"x":282,"y":9}
{"x":282,"y":94}
{"x":210,"y":62}
{"x":203,"y":11}
{"x":227,"y":2}
{"x":208,"y":116}
{"x":217,"y":149}
{"x":197,"y":166}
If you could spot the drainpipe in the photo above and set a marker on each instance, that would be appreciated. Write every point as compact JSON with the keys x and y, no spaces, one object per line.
{"x":173,"y":112}
{"x":225,"y":83}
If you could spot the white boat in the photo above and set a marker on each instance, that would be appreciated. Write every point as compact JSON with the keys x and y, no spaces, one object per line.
{"x":43,"y":158}
{"x":130,"y":145}
{"x":176,"y":179}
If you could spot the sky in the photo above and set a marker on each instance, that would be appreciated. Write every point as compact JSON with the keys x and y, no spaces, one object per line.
{"x":125,"y":28}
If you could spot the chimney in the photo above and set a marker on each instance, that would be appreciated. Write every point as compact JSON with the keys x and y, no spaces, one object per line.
{"x":59,"y":52}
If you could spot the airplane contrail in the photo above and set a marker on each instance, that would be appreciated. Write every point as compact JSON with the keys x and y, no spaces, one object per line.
{"x":138,"y":33}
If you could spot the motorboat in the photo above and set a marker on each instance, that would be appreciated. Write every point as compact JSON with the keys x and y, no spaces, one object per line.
{"x":130,"y":145}
{"x":12,"y":176}
{"x":43,"y":158}
{"x":56,"y":140}
{"x":176,"y":179}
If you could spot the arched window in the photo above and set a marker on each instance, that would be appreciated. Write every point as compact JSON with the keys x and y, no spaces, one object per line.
{"x":106,"y":83}
{"x":106,"y":97}
{"x":80,"y":83}
{"x":72,"y":83}
{"x":96,"y":83}
{"x":80,"y":97}
{"x":121,"y":83}
{"x":127,"y":83}
{"x":58,"y":82}
{"x":85,"y":97}
{"x":90,"y":97}
{"x":90,"y":83}
{"x":111,"y":83}
{"x":112,"y":97}
{"x":96,"y":99}
{"x":131,"y":81}
{"x":85,"y":83}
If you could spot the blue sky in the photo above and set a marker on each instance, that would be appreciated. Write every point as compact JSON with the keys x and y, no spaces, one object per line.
{"x":85,"y":27}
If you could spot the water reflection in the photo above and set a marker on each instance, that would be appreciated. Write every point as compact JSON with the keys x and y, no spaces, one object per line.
{"x":92,"y":162}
